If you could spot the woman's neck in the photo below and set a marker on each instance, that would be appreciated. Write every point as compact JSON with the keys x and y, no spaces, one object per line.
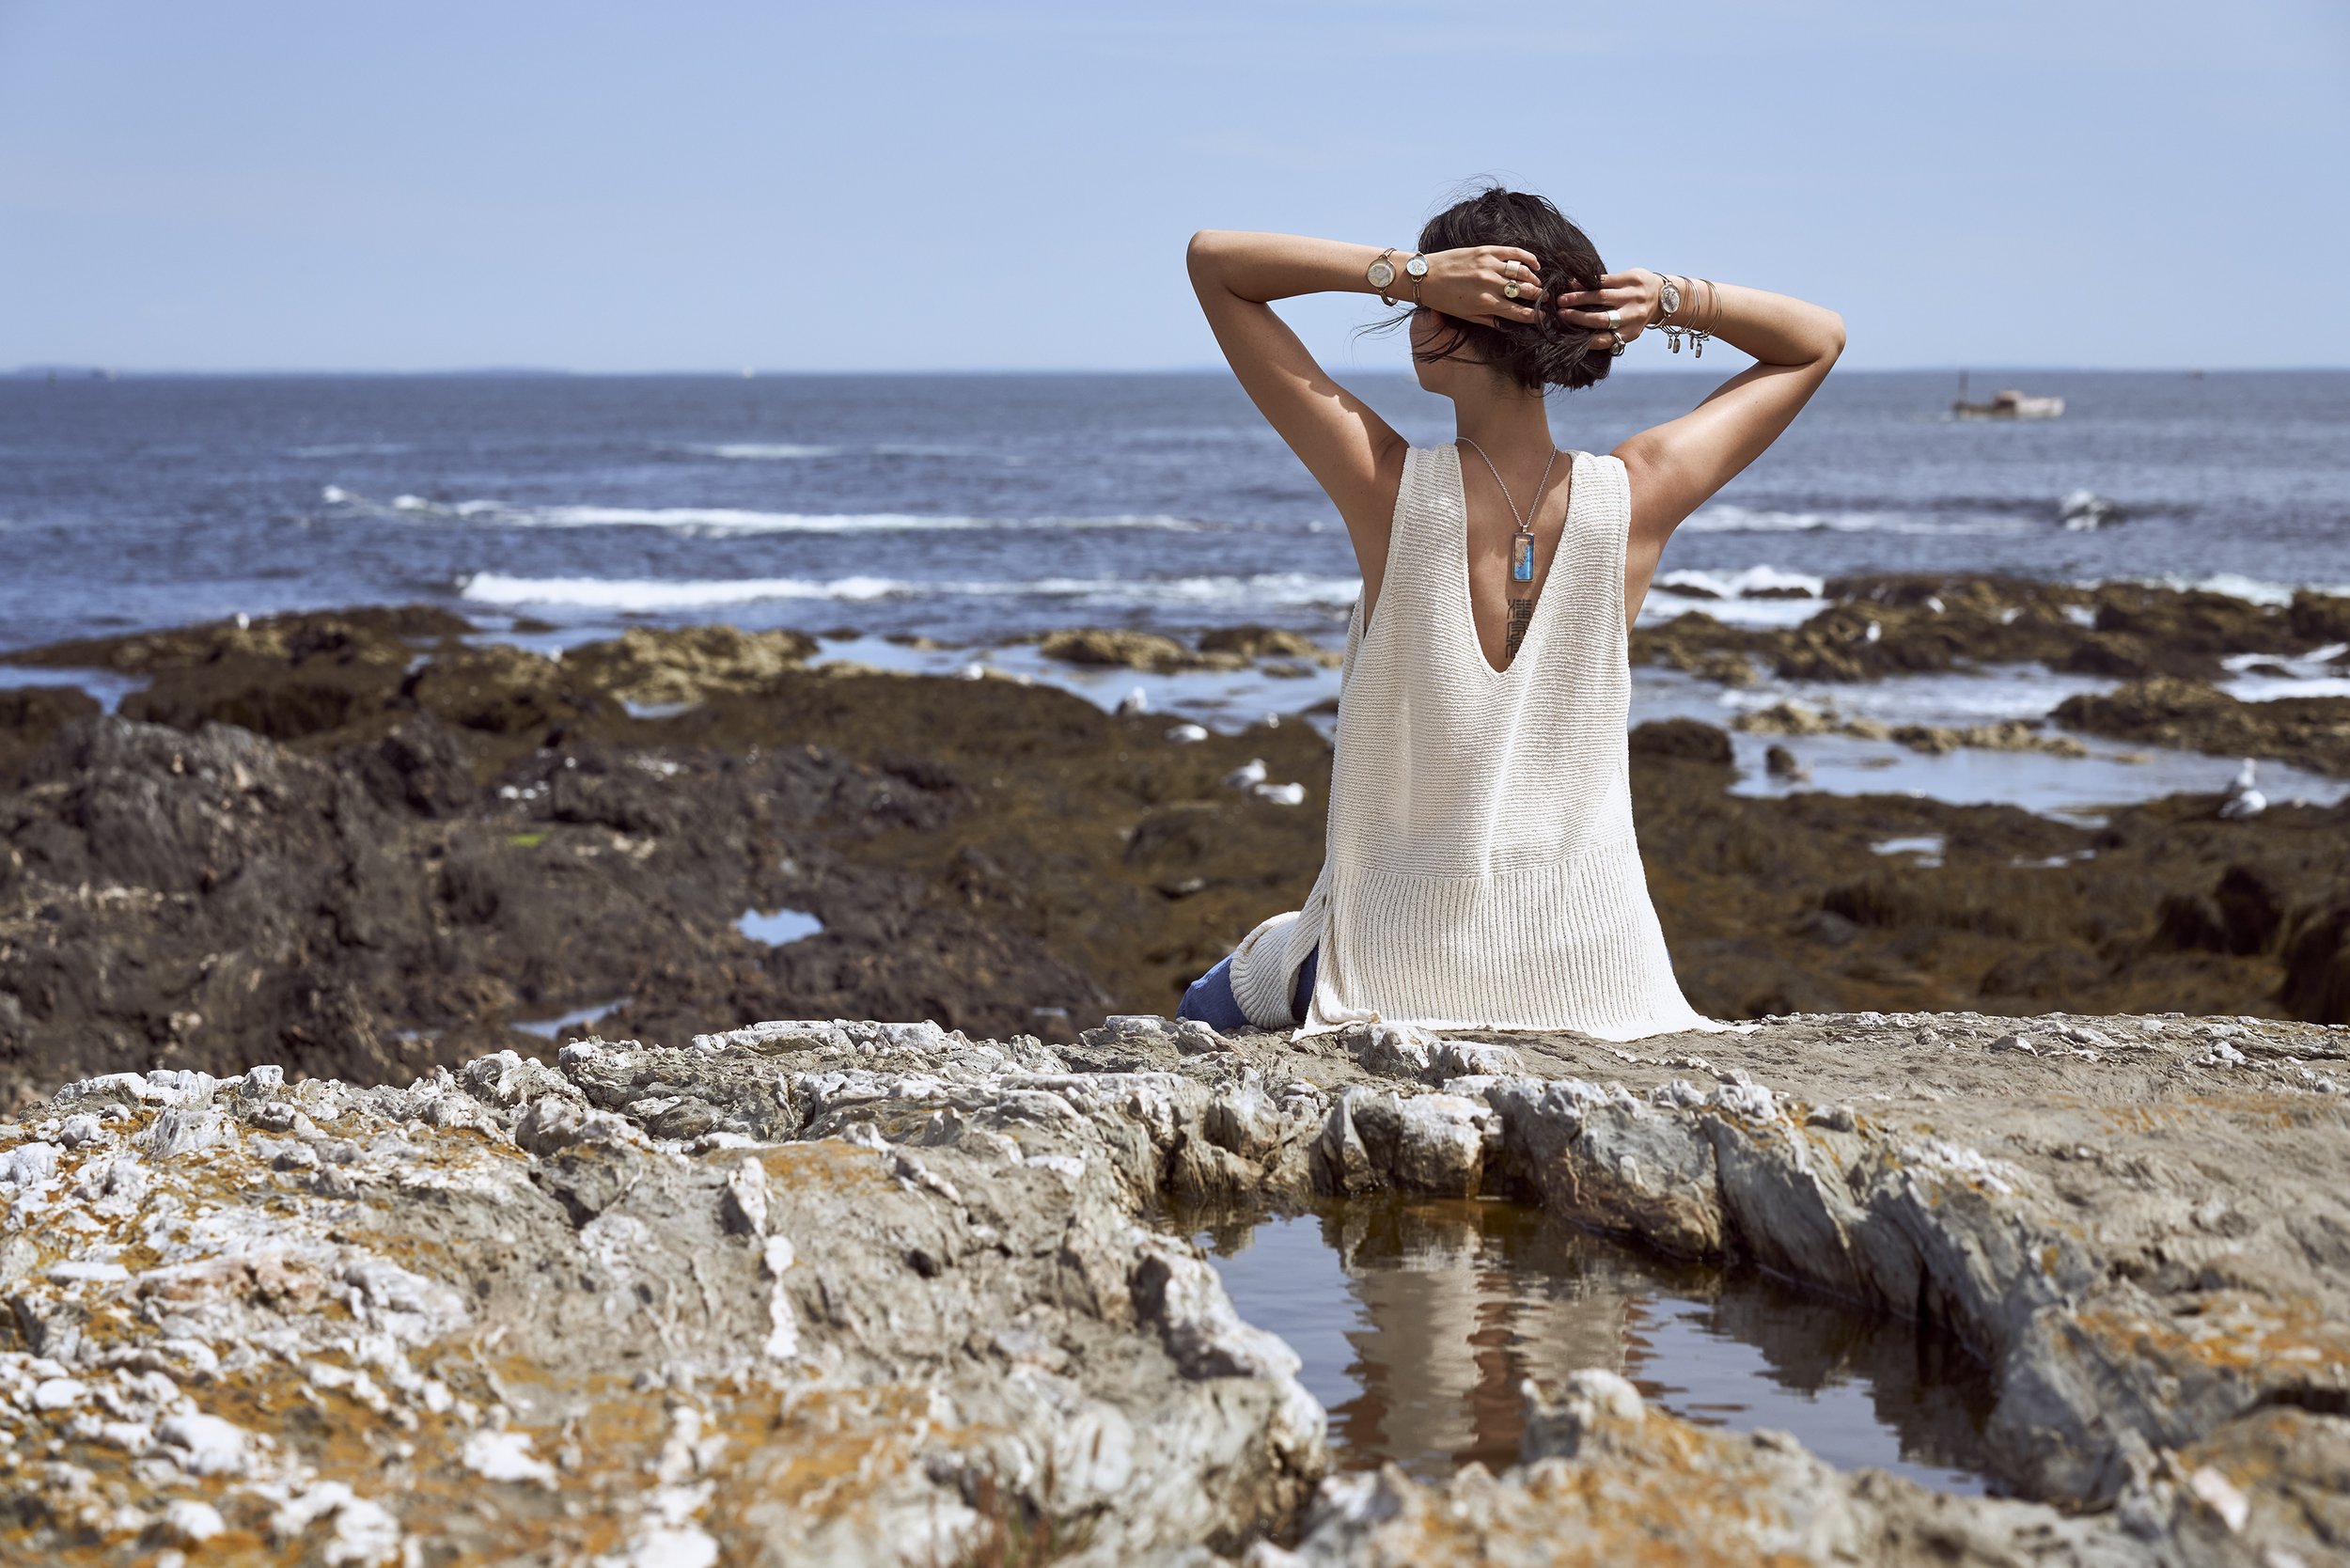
{"x":1503,"y":424}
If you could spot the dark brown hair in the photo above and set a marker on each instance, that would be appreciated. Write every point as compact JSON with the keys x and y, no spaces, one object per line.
{"x":1545,"y":352}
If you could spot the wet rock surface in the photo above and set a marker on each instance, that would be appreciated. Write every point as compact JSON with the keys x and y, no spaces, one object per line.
{"x":1793,"y":718}
{"x":835,"y":1291}
{"x":1877,"y":626}
{"x":366,"y":844}
{"x":2313,"y":732}
{"x":1224,"y":648}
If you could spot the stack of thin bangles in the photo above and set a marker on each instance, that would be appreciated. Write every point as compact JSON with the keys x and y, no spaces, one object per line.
{"x":1697,"y":334}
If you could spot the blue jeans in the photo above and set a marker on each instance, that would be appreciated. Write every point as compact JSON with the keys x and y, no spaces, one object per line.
{"x":1210,"y":998}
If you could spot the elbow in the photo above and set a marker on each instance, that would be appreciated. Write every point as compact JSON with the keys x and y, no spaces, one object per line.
{"x":1835,"y":337}
{"x":1204,"y":254}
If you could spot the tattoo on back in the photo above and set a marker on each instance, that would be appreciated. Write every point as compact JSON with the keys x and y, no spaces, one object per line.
{"x":1521,"y":611}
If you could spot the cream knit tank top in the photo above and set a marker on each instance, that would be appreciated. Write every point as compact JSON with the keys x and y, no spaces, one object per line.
{"x":1481,"y":870}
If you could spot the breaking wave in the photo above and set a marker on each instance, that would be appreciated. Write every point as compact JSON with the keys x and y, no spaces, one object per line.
{"x":723,"y":520}
{"x":652,"y":596}
{"x":1728,"y":517}
{"x":2235,"y":585}
{"x":1756,"y":581}
{"x":762,"y":451}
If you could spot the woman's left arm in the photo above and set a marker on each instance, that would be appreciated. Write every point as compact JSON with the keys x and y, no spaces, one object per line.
{"x":1352,"y":452}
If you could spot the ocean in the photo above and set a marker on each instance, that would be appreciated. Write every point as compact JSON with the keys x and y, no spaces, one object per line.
{"x":976,"y":508}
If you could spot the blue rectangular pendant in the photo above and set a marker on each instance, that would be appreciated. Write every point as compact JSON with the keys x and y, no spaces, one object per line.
{"x":1522,"y":558}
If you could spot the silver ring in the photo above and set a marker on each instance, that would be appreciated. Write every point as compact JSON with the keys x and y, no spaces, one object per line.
{"x":1614,"y":321}
{"x":1621,"y":344}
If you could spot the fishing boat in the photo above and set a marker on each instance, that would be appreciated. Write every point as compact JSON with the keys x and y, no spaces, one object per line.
{"x":2006,"y":403}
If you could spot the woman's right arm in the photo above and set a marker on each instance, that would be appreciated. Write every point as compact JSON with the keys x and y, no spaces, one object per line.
{"x":1355,"y":456}
{"x":1676,"y":467}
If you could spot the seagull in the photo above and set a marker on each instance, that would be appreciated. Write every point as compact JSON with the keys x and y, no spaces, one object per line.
{"x":2243,"y":799}
{"x":1135,"y":702}
{"x":1283,"y":795}
{"x":973,"y":671}
{"x":1187,"y":734}
{"x":1248,"y":775}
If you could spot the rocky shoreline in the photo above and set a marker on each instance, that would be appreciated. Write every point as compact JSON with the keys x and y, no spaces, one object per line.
{"x":372,"y":842}
{"x":835,"y":1292}
{"x":1878,"y":627}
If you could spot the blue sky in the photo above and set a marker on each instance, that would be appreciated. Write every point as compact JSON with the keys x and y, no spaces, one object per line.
{"x":973,"y":186}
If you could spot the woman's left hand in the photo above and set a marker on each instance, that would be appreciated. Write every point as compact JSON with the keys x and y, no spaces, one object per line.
{"x":1632,"y":295}
{"x":1493,"y":285}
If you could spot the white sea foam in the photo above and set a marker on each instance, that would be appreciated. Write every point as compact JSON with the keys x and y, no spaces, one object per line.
{"x":1728,"y":517}
{"x":1263,"y":588}
{"x":762,"y":451}
{"x":652,"y":596}
{"x":2258,"y":676}
{"x":730,"y":519}
{"x":2235,"y":584}
{"x":352,"y":448}
{"x":2261,"y":688}
{"x":1739,"y":597}
{"x":1757,"y":580}
{"x":646,"y":596}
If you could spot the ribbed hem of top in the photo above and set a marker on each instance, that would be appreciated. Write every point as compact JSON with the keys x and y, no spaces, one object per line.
{"x":1573,"y":944}
{"x":1699,"y":1024}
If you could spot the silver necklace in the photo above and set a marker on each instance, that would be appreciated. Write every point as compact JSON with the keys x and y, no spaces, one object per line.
{"x":1521,"y":547}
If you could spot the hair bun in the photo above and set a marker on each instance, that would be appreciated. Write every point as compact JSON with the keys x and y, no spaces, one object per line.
{"x":1544,"y":352}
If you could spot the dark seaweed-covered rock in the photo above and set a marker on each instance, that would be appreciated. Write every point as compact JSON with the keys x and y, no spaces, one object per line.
{"x":1879,"y":625}
{"x":419,"y":765}
{"x":30,"y":716}
{"x":2313,"y":732}
{"x":1689,"y":740}
{"x":2317,"y":962}
{"x":2240,"y":915}
{"x":493,"y":837}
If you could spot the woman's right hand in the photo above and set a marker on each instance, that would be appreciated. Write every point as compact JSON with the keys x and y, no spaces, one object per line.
{"x":1471,"y":282}
{"x":1633,"y":294}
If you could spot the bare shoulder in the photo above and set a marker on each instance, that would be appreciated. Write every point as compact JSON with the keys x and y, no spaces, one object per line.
{"x":1371,"y":527}
{"x":1678,"y":466}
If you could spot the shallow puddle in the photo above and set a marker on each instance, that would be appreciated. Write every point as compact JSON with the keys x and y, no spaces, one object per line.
{"x":107,"y":686}
{"x":1416,"y":1319}
{"x":774,"y":928}
{"x":547,"y":1029}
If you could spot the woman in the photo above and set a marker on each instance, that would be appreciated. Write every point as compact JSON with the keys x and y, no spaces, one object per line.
{"x":1480,"y":869}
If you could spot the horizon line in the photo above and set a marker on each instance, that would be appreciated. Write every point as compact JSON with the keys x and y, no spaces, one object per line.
{"x":85,"y":371}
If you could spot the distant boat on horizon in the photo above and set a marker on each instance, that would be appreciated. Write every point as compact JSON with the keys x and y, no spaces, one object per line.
{"x":2006,"y":403}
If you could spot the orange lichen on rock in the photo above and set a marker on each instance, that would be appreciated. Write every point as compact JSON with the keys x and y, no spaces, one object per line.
{"x":831,"y":1291}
